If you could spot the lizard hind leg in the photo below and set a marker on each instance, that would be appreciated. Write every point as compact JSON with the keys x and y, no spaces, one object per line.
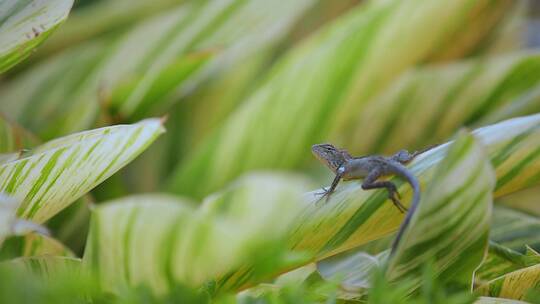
{"x":371,"y":183}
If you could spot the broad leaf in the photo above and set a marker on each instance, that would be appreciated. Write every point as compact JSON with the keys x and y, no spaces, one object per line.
{"x":515,"y":229}
{"x":101,"y":18}
{"x":326,"y":80}
{"x":183,"y":47}
{"x":10,"y":224}
{"x":162,"y":241}
{"x":26,"y":24}
{"x":33,"y":245}
{"x":13,"y":139}
{"x":500,"y":261}
{"x":514,"y":285}
{"x":490,"y":300}
{"x":441,"y":98}
{"x":350,"y":218}
{"x":449,"y":229}
{"x":58,"y":172}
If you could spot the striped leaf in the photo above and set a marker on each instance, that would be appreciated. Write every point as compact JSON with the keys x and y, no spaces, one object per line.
{"x":101,"y":18}
{"x":162,"y":241}
{"x":13,"y":139}
{"x":58,"y":172}
{"x":490,"y":300}
{"x":500,"y":261}
{"x":514,"y":285}
{"x":350,"y":218}
{"x":441,"y":98}
{"x":515,"y":229}
{"x":451,"y":225}
{"x":325,"y":80}
{"x":353,"y":272}
{"x":26,"y":24}
{"x":33,"y":245}
{"x":183,"y":47}
{"x":449,"y":229}
{"x":9,"y":223}
{"x":525,"y":201}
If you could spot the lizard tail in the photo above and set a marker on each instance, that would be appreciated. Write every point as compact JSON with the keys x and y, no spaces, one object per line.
{"x":415,"y":184}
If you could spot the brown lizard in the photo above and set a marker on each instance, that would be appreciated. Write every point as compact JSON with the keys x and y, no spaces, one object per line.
{"x":371,"y":168}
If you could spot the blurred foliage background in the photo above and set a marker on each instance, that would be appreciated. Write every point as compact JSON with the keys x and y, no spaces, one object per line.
{"x":244,"y":88}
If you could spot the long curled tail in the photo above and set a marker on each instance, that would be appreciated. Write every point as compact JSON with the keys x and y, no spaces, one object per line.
{"x":404,"y":173}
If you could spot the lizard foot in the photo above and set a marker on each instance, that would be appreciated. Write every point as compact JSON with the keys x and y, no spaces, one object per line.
{"x":397,"y":203}
{"x":325,"y":194}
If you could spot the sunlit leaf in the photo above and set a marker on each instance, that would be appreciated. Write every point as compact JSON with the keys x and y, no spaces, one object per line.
{"x":490,"y":300}
{"x":500,"y":261}
{"x":13,"y":139}
{"x":58,"y":172}
{"x":26,"y":24}
{"x":353,"y":216}
{"x":33,"y":244}
{"x":449,"y":229}
{"x":350,"y":218}
{"x":441,"y":98}
{"x":316,"y":90}
{"x":514,"y":285}
{"x":100,"y":18}
{"x":10,"y":224}
{"x":162,"y":240}
{"x":515,"y":229}
{"x":126,"y":79}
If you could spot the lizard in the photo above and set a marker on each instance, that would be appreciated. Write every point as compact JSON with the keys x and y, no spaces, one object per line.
{"x":371,"y":168}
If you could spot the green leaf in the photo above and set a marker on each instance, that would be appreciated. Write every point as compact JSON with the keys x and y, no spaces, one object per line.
{"x":490,"y":300}
{"x":353,"y":271}
{"x":316,"y":90}
{"x":451,"y":225}
{"x":33,"y":245}
{"x":514,"y":285}
{"x":13,"y":138}
{"x":10,"y":224}
{"x":449,"y":229}
{"x":441,"y":98}
{"x":101,"y":18}
{"x":350,"y":218}
{"x":515,"y":229}
{"x":58,"y":172}
{"x":183,"y":47}
{"x":353,"y":216}
{"x":26,"y":24}
{"x":500,"y":261}
{"x":162,"y":241}
{"x":524,"y":200}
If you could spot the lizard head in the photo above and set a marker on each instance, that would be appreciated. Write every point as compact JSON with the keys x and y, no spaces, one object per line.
{"x":329,"y":155}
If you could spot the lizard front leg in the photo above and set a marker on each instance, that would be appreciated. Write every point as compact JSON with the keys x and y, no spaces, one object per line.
{"x":326,"y":193}
{"x":370,"y":182}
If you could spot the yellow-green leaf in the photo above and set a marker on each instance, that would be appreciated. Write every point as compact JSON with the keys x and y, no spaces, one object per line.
{"x":160,"y":240}
{"x":58,"y":172}
{"x":514,"y":285}
{"x":26,"y":24}
{"x":451,"y":225}
{"x":316,"y":90}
